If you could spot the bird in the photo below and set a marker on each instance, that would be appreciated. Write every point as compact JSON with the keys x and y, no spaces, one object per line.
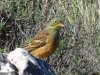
{"x":46,"y":41}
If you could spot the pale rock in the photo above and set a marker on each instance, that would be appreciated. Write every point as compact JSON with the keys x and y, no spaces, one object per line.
{"x":21,"y":62}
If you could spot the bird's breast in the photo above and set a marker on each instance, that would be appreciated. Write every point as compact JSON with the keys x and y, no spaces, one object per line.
{"x":48,"y":49}
{"x":52,"y":44}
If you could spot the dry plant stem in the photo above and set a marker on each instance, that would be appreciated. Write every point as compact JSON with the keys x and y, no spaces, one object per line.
{"x":45,"y":8}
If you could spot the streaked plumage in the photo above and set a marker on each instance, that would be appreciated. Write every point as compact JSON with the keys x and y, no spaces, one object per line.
{"x":46,"y":41}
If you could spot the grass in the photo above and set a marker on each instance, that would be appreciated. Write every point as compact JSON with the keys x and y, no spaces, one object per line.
{"x":78,"y":52}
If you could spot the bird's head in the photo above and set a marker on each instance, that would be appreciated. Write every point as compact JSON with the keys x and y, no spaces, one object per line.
{"x":54,"y":24}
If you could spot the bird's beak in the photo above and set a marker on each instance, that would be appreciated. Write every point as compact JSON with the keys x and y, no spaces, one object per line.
{"x":61,"y":25}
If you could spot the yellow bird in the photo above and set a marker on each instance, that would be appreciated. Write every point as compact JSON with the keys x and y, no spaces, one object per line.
{"x":46,"y":41}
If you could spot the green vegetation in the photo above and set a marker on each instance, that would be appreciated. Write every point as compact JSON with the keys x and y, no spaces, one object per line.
{"x":5,"y":50}
{"x":79,"y":49}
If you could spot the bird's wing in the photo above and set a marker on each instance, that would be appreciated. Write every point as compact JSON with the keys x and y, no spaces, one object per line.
{"x":38,"y":41}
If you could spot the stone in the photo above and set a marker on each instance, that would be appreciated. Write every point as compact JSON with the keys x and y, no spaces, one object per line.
{"x":21,"y":62}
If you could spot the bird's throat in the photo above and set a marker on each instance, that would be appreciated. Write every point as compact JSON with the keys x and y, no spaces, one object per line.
{"x":54,"y":34}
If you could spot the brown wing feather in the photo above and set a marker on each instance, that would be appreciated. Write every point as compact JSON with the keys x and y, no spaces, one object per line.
{"x":38,"y":41}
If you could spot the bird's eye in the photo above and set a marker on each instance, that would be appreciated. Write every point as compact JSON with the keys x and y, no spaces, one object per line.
{"x":55,"y":21}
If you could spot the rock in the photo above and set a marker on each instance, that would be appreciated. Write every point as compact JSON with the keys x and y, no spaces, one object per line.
{"x":21,"y":62}
{"x":5,"y":65}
